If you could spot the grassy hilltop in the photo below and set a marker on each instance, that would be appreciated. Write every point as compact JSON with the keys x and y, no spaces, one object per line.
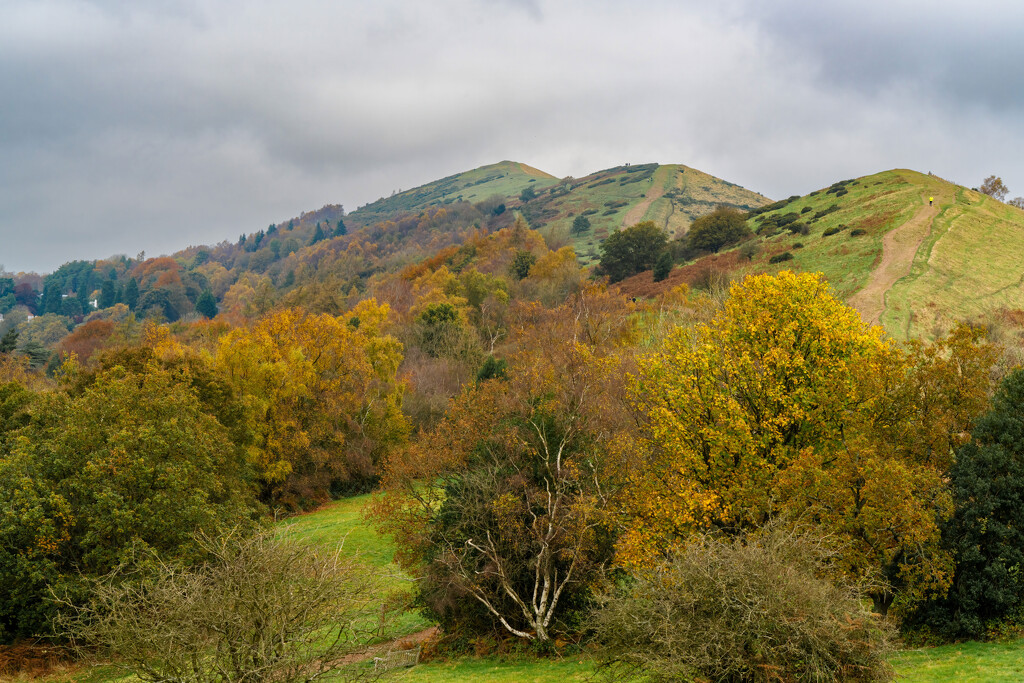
{"x":913,"y":268}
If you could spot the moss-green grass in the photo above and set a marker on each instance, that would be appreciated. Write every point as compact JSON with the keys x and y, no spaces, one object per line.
{"x":969,"y":267}
{"x":963,"y":662}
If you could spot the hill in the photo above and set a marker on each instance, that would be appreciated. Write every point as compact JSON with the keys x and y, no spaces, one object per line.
{"x":912,"y":267}
{"x":505,"y":179}
{"x":670,"y":195}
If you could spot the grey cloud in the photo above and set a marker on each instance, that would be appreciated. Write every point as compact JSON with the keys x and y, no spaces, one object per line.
{"x":131,"y":126}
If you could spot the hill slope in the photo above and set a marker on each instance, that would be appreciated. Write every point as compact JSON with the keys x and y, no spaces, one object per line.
{"x":506,"y":179}
{"x":913,"y":268}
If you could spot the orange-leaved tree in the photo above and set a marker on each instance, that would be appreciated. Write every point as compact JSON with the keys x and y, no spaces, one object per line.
{"x":323,"y":397}
{"x":504,"y":509}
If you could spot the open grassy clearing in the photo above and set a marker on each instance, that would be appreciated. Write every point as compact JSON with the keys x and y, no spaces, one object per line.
{"x":343,"y":519}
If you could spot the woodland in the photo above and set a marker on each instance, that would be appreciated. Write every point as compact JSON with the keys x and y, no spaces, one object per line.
{"x":685,"y":472}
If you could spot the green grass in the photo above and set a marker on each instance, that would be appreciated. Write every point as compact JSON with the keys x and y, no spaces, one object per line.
{"x":497,"y":671}
{"x":963,"y":662}
{"x":343,"y":519}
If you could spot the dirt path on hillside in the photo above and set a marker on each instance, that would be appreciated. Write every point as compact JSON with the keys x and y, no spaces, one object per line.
{"x":636,"y":214}
{"x":404,"y":643}
{"x":898,"y":249}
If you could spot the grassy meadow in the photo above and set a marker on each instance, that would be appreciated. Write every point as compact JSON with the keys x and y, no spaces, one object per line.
{"x":981,"y":662}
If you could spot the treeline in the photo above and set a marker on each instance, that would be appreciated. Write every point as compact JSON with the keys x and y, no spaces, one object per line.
{"x":552,"y":454}
{"x":144,"y":433}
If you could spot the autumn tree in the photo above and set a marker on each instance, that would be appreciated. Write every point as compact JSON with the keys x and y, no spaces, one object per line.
{"x":994,"y":187}
{"x":323,"y":399}
{"x":504,"y":508}
{"x":787,"y":403}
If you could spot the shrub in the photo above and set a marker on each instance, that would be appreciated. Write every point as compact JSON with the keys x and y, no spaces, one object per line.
{"x":805,"y":209}
{"x":261,"y":608}
{"x":831,"y":231}
{"x":858,"y":232}
{"x":741,"y":610}
{"x":798,"y":245}
{"x":798,"y":229}
{"x":780,"y":258}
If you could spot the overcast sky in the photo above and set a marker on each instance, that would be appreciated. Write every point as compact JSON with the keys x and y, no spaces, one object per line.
{"x":130,"y":125}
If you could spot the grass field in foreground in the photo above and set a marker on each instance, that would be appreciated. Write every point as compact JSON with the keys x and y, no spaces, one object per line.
{"x":970,"y":662}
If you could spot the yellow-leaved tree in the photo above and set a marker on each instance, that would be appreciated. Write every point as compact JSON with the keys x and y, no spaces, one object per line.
{"x":323,"y":397}
{"x":786,"y":403}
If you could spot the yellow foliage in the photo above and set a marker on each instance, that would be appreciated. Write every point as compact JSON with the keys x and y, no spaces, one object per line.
{"x":787,"y":404}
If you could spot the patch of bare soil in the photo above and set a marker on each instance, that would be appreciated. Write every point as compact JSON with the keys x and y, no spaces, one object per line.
{"x":636,"y":214}
{"x":898,"y":249}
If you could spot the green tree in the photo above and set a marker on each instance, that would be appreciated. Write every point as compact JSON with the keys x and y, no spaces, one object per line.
{"x":206,"y":304}
{"x":722,"y":227}
{"x":527,"y":194}
{"x":318,"y":234}
{"x":130,"y":462}
{"x":580,"y":225}
{"x":9,"y":341}
{"x":340,"y":229}
{"x":51,"y":299}
{"x":108,"y":294}
{"x":663,"y":266}
{"x":986,"y":532}
{"x":631,"y":251}
{"x":521,"y":263}
{"x":131,"y":294}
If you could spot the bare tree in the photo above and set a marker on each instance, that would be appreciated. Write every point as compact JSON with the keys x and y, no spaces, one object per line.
{"x":994,"y":187}
{"x":261,"y":608}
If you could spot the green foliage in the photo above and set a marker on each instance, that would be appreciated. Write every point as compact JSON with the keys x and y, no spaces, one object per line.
{"x":741,"y":610}
{"x":521,"y":263}
{"x":781,"y":258}
{"x":663,"y":266}
{"x":132,"y":461}
{"x":206,"y":304}
{"x":9,"y":341}
{"x":722,"y":227}
{"x":493,"y":368}
{"x":527,"y":194}
{"x":580,"y":225}
{"x":986,"y":532}
{"x":131,"y":293}
{"x":632,"y":250}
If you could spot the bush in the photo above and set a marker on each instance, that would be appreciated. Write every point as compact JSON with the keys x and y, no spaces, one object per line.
{"x":261,"y":608}
{"x":805,"y":209}
{"x":798,"y":245}
{"x":858,"y":232}
{"x":741,"y":610}
{"x":780,"y":258}
{"x":798,"y":229}
{"x":831,"y":231}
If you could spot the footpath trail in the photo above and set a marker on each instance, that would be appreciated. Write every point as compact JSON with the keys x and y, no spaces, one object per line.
{"x":406,"y":642}
{"x":657,"y":188}
{"x":898,"y":249}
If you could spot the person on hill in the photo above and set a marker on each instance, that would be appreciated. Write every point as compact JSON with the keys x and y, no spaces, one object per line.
{"x":930,"y":200}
